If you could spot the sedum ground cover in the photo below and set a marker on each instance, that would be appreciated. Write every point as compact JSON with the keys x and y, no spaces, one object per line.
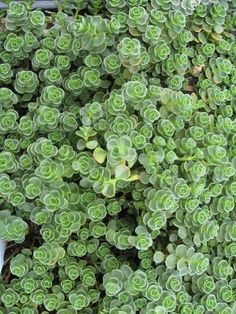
{"x":118,"y":157}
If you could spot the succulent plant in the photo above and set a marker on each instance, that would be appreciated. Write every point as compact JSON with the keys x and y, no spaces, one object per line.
{"x":118,"y":157}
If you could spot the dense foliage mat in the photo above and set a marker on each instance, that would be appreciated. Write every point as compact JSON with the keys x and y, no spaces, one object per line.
{"x":118,"y":157}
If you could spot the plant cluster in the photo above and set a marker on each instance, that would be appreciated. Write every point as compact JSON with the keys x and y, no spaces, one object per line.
{"x":118,"y":157}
